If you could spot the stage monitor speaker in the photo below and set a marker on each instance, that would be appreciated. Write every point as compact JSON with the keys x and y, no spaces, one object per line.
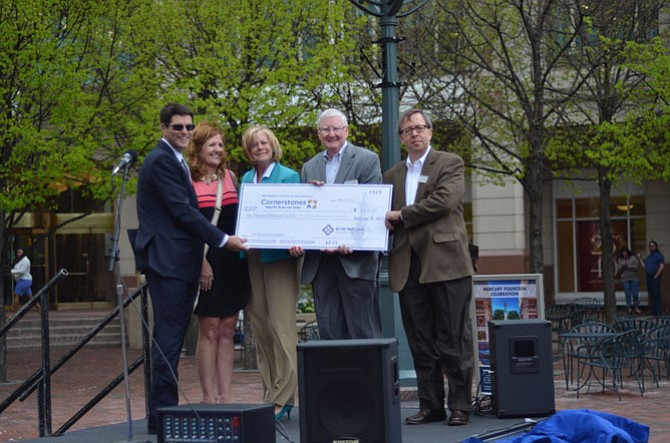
{"x":522,"y":368}
{"x":349,"y":391}
{"x":215,"y":423}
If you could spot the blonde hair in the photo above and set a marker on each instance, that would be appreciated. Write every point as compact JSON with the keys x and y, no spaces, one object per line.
{"x":250,"y":135}
{"x":203,"y":132}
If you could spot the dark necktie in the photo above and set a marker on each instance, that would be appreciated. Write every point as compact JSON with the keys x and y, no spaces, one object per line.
{"x":183,"y":165}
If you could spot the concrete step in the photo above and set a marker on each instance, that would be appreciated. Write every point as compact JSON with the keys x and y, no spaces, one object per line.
{"x":63,"y":331}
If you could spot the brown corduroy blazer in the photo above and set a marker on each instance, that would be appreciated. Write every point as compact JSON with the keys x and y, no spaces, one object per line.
{"x":433,"y":227}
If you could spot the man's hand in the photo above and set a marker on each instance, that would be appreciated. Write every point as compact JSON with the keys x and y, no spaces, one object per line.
{"x":236,"y":243}
{"x":392,"y":218}
{"x":342,"y":249}
{"x":296,"y":251}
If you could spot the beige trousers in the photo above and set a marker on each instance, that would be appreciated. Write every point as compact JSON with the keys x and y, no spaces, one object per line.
{"x":272,"y":310}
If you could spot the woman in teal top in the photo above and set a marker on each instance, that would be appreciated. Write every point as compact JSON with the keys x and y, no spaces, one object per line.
{"x":275,"y":284}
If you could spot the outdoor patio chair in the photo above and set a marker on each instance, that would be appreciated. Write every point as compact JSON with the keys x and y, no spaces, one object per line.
{"x":308,"y":332}
{"x":591,"y":308}
{"x":579,"y":345}
{"x":612,"y":357}
{"x":655,"y":352}
{"x":641,"y":325}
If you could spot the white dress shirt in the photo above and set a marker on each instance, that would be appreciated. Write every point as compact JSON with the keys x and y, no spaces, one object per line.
{"x":333,"y":164}
{"x":413,"y":176}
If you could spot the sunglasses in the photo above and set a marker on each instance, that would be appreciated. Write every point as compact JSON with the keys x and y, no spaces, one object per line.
{"x":178,"y":127}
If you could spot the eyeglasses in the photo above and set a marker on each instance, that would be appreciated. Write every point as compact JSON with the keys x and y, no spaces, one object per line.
{"x":178,"y":127}
{"x":334,"y":129}
{"x":418,"y":128}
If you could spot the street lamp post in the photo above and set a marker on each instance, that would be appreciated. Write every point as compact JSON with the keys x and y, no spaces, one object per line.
{"x":388,"y":12}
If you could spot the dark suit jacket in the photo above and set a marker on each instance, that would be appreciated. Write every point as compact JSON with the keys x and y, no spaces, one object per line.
{"x":172,"y":231}
{"x":433,"y":227}
{"x":360,"y":165}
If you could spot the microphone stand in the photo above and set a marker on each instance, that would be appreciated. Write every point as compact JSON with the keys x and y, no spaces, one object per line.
{"x":114,"y":267}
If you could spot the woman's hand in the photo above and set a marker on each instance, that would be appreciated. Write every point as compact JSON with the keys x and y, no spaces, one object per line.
{"x":206,"y":276}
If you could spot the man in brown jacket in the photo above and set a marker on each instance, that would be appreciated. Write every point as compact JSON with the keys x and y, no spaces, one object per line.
{"x":431,"y":268}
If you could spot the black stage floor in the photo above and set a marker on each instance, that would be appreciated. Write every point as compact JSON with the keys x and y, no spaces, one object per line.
{"x":488,"y":427}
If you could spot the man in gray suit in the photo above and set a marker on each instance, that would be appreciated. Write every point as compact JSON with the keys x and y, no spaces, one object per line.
{"x":344,"y":282}
{"x":431,"y":268}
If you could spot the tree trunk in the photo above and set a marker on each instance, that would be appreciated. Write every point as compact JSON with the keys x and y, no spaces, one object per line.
{"x":3,"y":266}
{"x":3,"y":339}
{"x":533,"y":187}
{"x":607,"y":245}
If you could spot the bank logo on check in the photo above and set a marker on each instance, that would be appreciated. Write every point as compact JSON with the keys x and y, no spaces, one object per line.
{"x":328,"y":230}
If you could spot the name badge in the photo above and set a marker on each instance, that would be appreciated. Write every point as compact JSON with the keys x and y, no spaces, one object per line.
{"x":423,"y":178}
{"x":351,"y":182}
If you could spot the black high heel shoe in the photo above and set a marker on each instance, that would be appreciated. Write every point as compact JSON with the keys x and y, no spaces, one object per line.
{"x":284,"y":411}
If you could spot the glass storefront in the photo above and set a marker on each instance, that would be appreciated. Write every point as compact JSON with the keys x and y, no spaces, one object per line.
{"x":84,"y":257}
{"x":69,"y":239}
{"x":578,"y":245}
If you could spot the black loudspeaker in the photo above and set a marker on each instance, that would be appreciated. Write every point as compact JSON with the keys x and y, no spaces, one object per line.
{"x":349,"y":391}
{"x":522,"y":366}
{"x":207,"y":423}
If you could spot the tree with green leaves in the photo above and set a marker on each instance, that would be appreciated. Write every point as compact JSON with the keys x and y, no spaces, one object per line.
{"x":81,"y":82}
{"x":497,"y":68}
{"x":268,"y":62}
{"x":71,"y":94}
{"x":603,"y":125}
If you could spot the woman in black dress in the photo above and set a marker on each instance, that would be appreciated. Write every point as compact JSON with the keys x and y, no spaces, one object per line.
{"x":224,"y":280}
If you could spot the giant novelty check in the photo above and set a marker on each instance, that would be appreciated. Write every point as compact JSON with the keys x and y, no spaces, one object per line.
{"x":278,"y":216}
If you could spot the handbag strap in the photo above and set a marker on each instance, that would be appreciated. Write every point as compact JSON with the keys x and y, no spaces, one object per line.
{"x":217,"y":210}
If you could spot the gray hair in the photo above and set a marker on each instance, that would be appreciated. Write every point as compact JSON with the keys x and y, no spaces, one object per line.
{"x":328,"y":113}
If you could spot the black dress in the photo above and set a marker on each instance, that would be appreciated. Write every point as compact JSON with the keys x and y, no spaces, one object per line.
{"x":231,"y":289}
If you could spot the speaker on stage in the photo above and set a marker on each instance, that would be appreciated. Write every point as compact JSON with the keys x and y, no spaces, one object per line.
{"x":522,"y":368}
{"x":349,"y":391}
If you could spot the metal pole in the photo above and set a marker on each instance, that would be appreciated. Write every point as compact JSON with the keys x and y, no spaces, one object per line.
{"x":44,"y":391}
{"x":387,"y":12}
{"x":390,"y":93}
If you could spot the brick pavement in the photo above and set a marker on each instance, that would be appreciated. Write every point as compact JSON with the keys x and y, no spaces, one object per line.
{"x":86,"y":374}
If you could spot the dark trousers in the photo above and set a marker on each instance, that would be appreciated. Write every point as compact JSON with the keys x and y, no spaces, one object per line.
{"x":654,"y":292}
{"x":436,"y":319}
{"x":346,"y":308}
{"x":172,"y":302}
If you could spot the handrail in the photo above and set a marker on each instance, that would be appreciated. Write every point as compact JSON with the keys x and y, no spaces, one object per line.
{"x":44,"y":393}
{"x":99,"y":396}
{"x":41,"y":378}
{"x":84,"y":340}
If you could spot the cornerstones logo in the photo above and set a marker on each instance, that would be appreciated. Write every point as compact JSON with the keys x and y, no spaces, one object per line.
{"x":312,"y":203}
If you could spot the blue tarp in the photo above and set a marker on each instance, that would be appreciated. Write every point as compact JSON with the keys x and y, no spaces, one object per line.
{"x":581,"y":426}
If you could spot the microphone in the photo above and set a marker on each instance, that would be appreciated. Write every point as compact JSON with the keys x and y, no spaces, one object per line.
{"x":126,"y":161}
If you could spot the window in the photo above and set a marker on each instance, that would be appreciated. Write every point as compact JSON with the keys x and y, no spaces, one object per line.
{"x":625,"y":20}
{"x":578,"y":245}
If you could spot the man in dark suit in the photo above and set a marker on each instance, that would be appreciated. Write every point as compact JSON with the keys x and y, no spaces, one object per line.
{"x":431,"y":268}
{"x":344,"y":282}
{"x":168,"y":246}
